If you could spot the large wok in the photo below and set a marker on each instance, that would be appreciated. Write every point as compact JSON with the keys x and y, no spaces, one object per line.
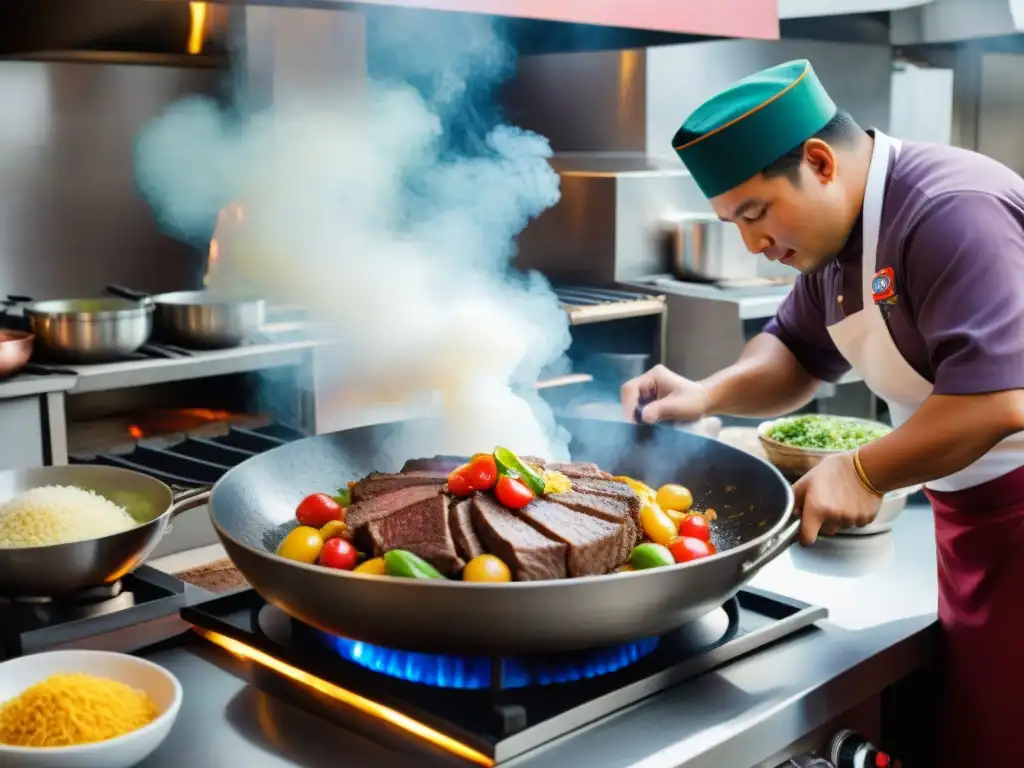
{"x":252,"y":507}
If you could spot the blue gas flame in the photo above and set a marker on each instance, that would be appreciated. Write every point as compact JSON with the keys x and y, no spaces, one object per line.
{"x":474,"y":672}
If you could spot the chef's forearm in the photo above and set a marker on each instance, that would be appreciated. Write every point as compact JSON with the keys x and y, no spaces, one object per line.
{"x":766,"y":381}
{"x":946,"y":434}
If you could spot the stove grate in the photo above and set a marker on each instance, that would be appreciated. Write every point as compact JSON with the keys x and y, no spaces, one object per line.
{"x":188,"y":460}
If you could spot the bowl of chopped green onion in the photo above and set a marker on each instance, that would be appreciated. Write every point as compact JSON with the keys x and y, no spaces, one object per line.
{"x":797,"y":444}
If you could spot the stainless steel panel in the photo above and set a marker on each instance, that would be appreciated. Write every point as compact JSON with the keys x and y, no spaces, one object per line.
{"x":609,"y":226}
{"x":22,"y":441}
{"x":70,"y":218}
{"x":583,"y":102}
{"x":1001,"y":100}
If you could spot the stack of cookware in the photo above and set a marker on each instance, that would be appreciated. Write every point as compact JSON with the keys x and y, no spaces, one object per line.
{"x":102,"y":330}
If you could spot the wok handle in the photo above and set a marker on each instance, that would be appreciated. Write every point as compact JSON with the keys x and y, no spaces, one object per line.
{"x":189,"y":498}
{"x":776,"y":547}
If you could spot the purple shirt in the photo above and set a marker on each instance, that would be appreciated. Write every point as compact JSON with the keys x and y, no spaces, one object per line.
{"x":953,"y":232}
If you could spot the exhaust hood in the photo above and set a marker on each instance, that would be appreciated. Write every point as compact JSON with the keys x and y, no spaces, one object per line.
{"x":711,"y":18}
{"x":43,"y":28}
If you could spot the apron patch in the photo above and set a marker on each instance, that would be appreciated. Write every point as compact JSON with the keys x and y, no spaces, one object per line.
{"x":883,"y":286}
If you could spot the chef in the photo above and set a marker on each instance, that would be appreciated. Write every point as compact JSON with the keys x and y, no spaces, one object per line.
{"x":911,"y":261}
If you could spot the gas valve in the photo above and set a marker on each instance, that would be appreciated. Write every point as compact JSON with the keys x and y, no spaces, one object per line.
{"x":851,"y":750}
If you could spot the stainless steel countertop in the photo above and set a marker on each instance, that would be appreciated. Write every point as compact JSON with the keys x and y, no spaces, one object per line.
{"x":882,"y":596}
{"x":27,"y":385}
{"x":137,"y":373}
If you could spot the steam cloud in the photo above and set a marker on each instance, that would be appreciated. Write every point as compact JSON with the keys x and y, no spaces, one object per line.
{"x":391,"y":216}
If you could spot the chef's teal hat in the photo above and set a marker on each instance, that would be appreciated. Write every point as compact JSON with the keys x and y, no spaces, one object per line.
{"x":735,"y":135}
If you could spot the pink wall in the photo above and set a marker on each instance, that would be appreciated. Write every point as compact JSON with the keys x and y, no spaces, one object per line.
{"x":731,"y":18}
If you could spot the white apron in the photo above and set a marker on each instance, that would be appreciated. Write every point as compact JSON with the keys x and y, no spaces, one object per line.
{"x":864,"y":340}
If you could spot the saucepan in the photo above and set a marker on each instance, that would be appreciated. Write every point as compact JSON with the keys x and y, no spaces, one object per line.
{"x":252,"y":509}
{"x":89,"y":330}
{"x":64,"y":569}
{"x":200,"y":319}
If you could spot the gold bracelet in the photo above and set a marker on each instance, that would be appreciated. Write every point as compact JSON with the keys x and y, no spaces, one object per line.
{"x":862,"y":475}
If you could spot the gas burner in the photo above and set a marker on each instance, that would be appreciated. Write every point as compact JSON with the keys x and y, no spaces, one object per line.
{"x":474,"y":672}
{"x":29,"y":625}
{"x":494,"y":709}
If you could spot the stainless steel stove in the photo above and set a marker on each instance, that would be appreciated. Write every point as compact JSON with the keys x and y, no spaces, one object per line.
{"x":484,"y":710}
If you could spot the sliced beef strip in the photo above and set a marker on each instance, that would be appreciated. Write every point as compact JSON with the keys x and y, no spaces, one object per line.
{"x":460,"y":520}
{"x":595,"y":545}
{"x":420,"y":528}
{"x":369,"y":510}
{"x":377,"y":483}
{"x":612,"y":488}
{"x":623,"y":511}
{"x":530,"y":555}
{"x":435,"y":464}
{"x":579,"y":469}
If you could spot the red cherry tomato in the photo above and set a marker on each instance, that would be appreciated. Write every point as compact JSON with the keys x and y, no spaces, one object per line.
{"x":512,"y":492}
{"x":685,"y":549}
{"x":695,"y":527}
{"x":338,"y":553}
{"x":482,"y":472}
{"x":458,"y":481}
{"x":318,"y":509}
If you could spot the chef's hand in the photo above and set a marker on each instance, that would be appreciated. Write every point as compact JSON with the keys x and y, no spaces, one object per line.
{"x":830,"y":497}
{"x":664,"y":396}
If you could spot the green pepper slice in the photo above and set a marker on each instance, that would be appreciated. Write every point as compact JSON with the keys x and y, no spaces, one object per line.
{"x":510,"y":464}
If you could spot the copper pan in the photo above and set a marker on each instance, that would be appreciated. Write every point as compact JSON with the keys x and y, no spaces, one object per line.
{"x":15,"y":350}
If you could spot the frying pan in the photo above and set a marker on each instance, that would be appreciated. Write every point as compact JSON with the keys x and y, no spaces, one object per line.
{"x":200,"y":319}
{"x":64,"y":569}
{"x":252,"y":508}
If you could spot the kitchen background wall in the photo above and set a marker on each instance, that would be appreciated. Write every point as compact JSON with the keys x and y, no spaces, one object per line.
{"x":71,"y":221}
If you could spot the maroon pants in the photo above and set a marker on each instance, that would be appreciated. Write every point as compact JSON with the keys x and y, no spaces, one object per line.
{"x":980,"y":540}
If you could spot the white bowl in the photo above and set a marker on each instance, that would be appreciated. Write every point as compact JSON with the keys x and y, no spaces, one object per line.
{"x":125,"y":751}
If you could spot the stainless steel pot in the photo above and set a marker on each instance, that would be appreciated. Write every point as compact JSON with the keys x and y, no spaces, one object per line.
{"x":89,"y":330}
{"x":252,"y":509}
{"x":64,"y":569}
{"x":200,"y":319}
{"x":703,"y":248}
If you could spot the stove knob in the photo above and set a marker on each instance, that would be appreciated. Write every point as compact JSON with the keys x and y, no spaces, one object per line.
{"x":851,"y":750}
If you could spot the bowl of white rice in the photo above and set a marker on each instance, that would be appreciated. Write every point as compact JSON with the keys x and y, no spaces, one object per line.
{"x":67,"y":529}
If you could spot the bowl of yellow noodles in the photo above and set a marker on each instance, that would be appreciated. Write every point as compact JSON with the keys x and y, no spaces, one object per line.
{"x":84,"y":709}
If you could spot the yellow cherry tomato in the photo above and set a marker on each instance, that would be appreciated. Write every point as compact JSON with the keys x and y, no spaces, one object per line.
{"x":645,"y":492}
{"x":486,"y":568}
{"x":335,"y":529}
{"x":627,"y":568}
{"x":674,"y":497}
{"x":657,"y":526}
{"x":374,"y":567}
{"x":302,"y":544}
{"x":676,"y":516}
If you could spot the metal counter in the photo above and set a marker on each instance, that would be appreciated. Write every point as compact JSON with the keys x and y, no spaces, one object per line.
{"x":736,"y":716}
